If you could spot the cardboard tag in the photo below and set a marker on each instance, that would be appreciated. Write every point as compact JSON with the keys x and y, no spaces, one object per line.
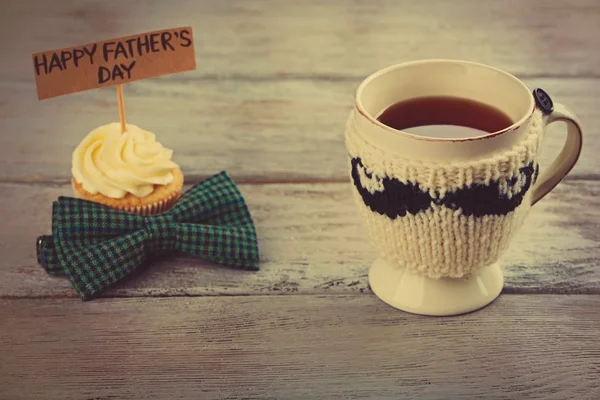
{"x":113,"y":62}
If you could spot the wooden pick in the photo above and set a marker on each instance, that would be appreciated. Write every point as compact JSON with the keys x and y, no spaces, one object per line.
{"x":121,"y":107}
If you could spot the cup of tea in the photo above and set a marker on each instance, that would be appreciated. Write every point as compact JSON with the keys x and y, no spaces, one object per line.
{"x":443,"y":158}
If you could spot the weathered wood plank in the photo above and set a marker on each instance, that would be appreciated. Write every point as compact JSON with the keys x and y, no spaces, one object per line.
{"x":312,"y":243}
{"x":259,"y":131}
{"x":298,"y":347}
{"x":333,"y":38}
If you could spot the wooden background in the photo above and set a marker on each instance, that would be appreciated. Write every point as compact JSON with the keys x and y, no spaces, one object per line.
{"x":268,"y":103}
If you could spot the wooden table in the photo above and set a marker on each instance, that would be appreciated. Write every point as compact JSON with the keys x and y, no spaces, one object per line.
{"x":268,"y":103}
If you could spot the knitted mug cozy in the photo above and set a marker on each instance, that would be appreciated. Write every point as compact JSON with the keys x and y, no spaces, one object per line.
{"x":443,"y":219}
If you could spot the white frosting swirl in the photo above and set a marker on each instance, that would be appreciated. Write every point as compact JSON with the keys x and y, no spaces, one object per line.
{"x":114,"y":163}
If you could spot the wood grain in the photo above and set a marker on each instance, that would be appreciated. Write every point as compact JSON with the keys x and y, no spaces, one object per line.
{"x":298,"y":347}
{"x":273,"y":131}
{"x":311,"y":242}
{"x":328,"y":39}
{"x":275,"y":80}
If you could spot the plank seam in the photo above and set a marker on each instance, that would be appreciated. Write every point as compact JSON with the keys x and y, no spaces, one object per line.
{"x":288,"y":77}
{"x":508,"y":292}
{"x":193,"y":179}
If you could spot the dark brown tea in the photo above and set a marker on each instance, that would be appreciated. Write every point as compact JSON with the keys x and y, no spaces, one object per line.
{"x":444,"y":117}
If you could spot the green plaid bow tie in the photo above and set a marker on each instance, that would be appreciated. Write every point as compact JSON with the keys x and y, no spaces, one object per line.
{"x":96,"y":246}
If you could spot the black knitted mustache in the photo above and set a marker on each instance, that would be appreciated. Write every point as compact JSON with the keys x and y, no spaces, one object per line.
{"x":397,"y":198}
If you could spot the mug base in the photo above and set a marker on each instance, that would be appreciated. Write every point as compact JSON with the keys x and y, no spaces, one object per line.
{"x":419,"y":294}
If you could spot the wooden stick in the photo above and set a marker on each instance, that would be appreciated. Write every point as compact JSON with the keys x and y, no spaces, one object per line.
{"x":121,"y":107}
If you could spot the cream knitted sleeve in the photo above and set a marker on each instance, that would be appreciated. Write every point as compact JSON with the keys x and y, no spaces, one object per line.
{"x":443,"y":219}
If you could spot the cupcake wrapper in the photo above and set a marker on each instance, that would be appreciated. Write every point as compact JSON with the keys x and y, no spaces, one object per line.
{"x":155,"y":208}
{"x":148,"y":209}
{"x":161,"y":199}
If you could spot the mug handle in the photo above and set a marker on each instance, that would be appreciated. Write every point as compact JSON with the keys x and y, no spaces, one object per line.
{"x":567,"y":158}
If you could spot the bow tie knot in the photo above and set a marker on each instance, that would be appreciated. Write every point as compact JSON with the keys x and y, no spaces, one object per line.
{"x":96,"y":246}
{"x":162,"y":232}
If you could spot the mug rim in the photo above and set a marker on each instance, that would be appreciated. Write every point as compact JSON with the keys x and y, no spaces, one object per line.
{"x":359,"y":107}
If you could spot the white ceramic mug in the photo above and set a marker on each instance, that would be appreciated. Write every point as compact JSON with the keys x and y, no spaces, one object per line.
{"x":441,"y":211}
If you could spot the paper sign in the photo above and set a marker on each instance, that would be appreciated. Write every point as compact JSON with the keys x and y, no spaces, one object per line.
{"x":112,"y":62}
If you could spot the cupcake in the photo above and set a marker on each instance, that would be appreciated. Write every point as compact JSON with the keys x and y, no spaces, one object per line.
{"x":128,"y":171}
